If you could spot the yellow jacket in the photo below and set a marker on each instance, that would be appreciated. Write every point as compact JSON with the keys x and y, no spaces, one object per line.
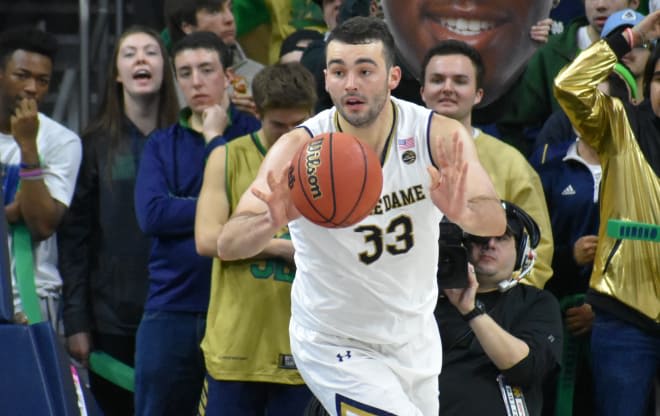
{"x":625,"y":270}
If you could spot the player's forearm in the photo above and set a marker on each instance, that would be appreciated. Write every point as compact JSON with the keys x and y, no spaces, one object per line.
{"x":503,"y":349}
{"x":245,"y":235}
{"x":278,"y":247}
{"x":484,"y":216}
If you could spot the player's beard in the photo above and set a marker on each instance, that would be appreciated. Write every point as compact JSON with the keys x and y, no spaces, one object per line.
{"x":372,"y":113}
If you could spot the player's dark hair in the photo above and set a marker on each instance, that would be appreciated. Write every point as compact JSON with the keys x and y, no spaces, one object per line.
{"x":361,"y":30}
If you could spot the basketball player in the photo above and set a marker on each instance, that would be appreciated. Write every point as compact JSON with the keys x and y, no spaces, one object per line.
{"x":362,"y":331}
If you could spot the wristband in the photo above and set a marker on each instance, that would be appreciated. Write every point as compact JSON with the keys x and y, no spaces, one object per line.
{"x":630,"y":37}
{"x":31,"y":174}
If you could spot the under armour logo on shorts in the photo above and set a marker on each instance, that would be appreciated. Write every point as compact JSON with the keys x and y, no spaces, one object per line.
{"x":341,"y":357}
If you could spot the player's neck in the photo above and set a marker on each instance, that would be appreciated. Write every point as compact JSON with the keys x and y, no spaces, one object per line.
{"x":376,"y":133}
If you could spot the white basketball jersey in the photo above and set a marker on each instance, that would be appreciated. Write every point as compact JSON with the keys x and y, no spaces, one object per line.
{"x":374,"y":281}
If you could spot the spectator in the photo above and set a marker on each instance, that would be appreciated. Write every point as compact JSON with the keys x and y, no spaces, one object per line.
{"x":635,"y":60}
{"x":532,"y":102}
{"x":571,"y":173}
{"x":420,"y":24}
{"x":313,"y":57}
{"x":330,"y":10}
{"x":102,"y":252}
{"x":294,"y":44}
{"x":169,"y":366}
{"x":246,"y":346}
{"x":452,"y":74}
{"x":571,"y":184}
{"x":624,"y":286}
{"x":185,"y":17}
{"x":40,"y":160}
{"x":494,"y":339}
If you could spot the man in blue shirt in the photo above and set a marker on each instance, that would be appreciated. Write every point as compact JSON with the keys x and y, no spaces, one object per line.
{"x":169,"y":369}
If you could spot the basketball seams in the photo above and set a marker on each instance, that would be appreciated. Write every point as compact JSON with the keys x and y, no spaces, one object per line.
{"x":365,"y":173}
{"x":331,"y":142}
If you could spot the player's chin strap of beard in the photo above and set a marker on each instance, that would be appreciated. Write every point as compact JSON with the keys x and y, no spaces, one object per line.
{"x":527,"y":239}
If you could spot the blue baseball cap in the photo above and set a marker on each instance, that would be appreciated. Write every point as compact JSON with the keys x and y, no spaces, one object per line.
{"x":625,"y":17}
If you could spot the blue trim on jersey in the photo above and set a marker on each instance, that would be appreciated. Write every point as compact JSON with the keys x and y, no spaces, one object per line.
{"x":428,"y":139}
{"x":370,"y":410}
{"x":307,"y":130}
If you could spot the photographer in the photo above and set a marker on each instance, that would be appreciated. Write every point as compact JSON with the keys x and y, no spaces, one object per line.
{"x":500,"y":339}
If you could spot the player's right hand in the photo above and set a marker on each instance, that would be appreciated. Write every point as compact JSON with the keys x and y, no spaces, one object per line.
{"x":278,"y":197}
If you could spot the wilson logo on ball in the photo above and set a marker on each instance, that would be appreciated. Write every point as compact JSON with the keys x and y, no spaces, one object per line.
{"x":335,"y":180}
{"x":313,"y":160}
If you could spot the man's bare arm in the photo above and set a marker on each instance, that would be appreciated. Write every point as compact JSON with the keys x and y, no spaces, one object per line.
{"x":212,"y":205}
{"x":266,"y":207}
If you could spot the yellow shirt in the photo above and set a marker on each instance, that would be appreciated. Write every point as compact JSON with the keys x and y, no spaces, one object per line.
{"x":247,"y":326}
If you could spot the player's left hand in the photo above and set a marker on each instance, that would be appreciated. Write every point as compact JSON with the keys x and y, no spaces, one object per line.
{"x":448,"y":184}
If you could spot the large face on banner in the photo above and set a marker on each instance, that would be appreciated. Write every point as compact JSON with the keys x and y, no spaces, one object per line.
{"x":498,"y":29}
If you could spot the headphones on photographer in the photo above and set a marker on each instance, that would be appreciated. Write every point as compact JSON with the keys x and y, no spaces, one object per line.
{"x":527,"y":239}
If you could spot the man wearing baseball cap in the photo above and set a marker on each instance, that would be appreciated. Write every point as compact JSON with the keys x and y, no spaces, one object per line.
{"x":624,"y":287}
{"x":635,"y":60}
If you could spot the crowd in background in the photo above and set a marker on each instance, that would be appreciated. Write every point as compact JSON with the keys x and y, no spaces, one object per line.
{"x":124,"y":215}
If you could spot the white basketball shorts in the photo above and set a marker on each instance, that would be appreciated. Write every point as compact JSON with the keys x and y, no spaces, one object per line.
{"x":350,"y":377}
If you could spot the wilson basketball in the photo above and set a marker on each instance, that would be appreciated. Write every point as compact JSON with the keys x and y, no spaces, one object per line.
{"x":335,"y":180}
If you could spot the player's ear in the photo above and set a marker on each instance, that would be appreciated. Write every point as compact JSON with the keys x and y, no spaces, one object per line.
{"x":395,"y":77}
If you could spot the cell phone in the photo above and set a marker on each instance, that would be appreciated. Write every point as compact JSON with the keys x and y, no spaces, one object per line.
{"x":452,"y":261}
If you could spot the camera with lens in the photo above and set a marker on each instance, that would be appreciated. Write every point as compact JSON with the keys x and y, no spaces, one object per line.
{"x":453,"y":259}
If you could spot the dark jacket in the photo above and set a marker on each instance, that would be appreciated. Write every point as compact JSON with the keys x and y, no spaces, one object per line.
{"x":102,"y":252}
{"x":168,"y":183}
{"x":468,"y":381}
